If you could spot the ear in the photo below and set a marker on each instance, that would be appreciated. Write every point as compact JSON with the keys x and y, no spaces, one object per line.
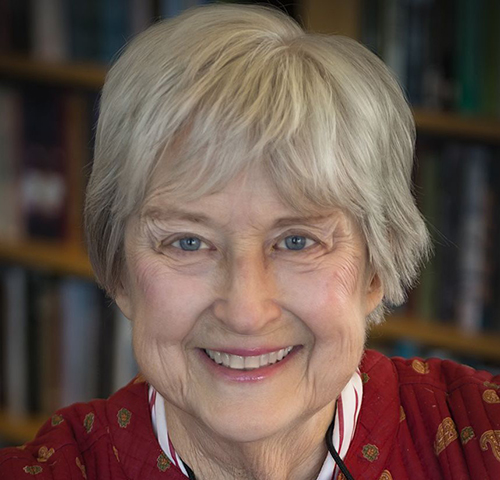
{"x":123,"y":300}
{"x":374,"y":293}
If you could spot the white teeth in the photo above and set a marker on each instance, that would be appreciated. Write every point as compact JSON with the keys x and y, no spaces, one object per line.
{"x":252,"y":362}
{"x":217,"y":357}
{"x":264,"y":360}
{"x":239,"y":362}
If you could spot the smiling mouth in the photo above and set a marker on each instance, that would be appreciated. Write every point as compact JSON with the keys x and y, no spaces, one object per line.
{"x":238,"y":362}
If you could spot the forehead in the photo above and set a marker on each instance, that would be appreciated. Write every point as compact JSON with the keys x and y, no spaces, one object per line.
{"x":251,"y":191}
{"x":250,"y":199}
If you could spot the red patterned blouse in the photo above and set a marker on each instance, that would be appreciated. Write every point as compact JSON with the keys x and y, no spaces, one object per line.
{"x":419,"y":420}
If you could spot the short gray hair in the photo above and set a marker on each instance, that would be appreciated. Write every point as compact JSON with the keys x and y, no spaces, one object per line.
{"x":245,"y":86}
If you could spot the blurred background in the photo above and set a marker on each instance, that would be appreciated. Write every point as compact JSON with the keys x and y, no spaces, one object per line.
{"x":62,"y":341}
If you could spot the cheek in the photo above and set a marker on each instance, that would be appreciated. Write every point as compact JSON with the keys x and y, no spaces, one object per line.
{"x":166,"y":304}
{"x":326,"y":298}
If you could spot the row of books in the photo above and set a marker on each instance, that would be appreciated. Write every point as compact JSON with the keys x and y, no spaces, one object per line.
{"x":94,"y":30}
{"x":62,"y":30}
{"x":459,"y":194}
{"x":61,"y":342}
{"x":445,"y":53}
{"x":43,"y":133}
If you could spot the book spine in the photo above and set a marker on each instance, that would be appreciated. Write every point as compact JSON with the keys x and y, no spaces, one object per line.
{"x":472,"y":260}
{"x":449,"y":214}
{"x":141,"y":15}
{"x":79,"y":315}
{"x":50,"y":36}
{"x":16,"y":316}
{"x":44,"y":182}
{"x":468,"y":55}
{"x":10,"y":128}
{"x":116,"y":28}
{"x":395,"y":23}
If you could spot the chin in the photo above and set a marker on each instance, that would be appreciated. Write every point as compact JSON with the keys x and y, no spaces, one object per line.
{"x":246,"y":430}
{"x":251,"y":423}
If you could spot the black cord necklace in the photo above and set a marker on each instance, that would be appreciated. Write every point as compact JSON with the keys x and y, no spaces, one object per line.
{"x":329,"y":445}
{"x":333,"y":452}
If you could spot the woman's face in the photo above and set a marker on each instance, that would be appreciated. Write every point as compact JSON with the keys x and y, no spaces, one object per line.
{"x":239,"y":277}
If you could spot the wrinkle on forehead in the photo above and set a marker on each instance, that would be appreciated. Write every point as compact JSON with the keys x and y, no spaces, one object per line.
{"x":250,"y":197}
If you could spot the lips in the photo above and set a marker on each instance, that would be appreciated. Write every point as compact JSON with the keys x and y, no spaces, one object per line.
{"x":240,"y":362}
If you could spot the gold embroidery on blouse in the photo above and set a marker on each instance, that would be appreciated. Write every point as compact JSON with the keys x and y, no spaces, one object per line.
{"x":491,"y":385}
{"x":466,"y":435}
{"x":115,"y":451}
{"x":446,"y":433}
{"x":57,"y":419}
{"x":81,"y":467}
{"x":420,"y":367}
{"x":88,"y":422}
{"x":365,"y":377}
{"x":493,"y":438}
{"x":33,"y":469}
{"x":123,"y":416}
{"x":44,"y":454}
{"x":386,"y":475}
{"x":402,"y":413}
{"x":163,"y":463}
{"x":490,"y":396}
{"x":370,"y":452}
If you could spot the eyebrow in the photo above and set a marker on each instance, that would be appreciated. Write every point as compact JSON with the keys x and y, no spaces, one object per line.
{"x":174,"y":213}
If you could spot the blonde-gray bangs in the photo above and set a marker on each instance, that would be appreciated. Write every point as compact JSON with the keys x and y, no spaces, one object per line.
{"x":224,"y":89}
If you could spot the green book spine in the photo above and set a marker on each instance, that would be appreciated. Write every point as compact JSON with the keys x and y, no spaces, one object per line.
{"x":490,"y":96}
{"x":468,"y":55}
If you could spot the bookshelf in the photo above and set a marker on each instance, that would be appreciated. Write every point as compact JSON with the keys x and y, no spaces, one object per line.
{"x":68,"y":257}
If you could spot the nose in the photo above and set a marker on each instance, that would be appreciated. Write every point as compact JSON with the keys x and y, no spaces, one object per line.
{"x":247,"y":305}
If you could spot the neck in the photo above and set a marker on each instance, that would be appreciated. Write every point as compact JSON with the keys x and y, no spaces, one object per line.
{"x":297,"y":454}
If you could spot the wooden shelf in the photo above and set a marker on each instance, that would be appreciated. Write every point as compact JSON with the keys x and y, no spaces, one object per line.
{"x":59,"y":258}
{"x":19,"y":430}
{"x":83,"y":75}
{"x":483,"y":345}
{"x":458,"y":125}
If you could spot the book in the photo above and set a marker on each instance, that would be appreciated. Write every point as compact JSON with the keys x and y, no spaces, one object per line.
{"x":450,"y":182}
{"x":472,"y":271}
{"x":428,"y":199}
{"x":141,"y":15}
{"x":50,"y":34}
{"x":16,"y":323}
{"x":11,"y":225}
{"x":79,"y":321}
{"x":43,"y":164}
{"x":115,"y":28}
{"x":50,"y":349}
{"x":396,"y":37}
{"x":468,"y":55}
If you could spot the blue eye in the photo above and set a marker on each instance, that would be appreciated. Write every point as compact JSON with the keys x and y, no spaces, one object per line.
{"x":296,"y":242}
{"x":188,"y":244}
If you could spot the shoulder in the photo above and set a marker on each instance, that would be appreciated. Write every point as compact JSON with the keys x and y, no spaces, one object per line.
{"x":82,"y":440}
{"x":440,"y":376}
{"x":449,"y":412}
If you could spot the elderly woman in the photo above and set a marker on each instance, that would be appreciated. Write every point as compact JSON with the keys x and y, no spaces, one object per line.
{"x":250,"y":212}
